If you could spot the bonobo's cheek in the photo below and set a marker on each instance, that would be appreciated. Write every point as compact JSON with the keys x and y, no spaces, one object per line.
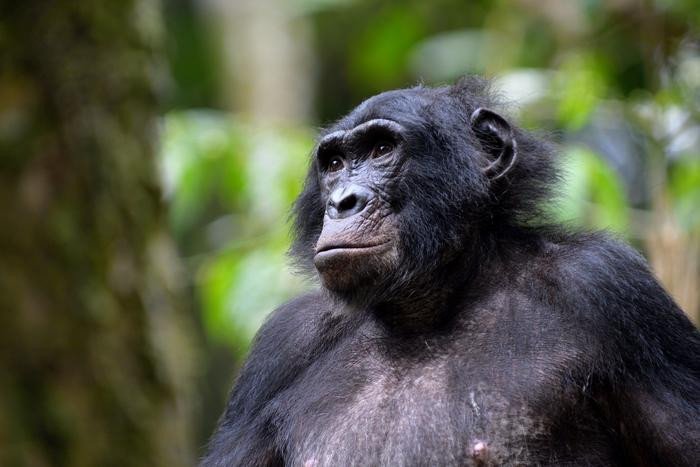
{"x":351,"y":252}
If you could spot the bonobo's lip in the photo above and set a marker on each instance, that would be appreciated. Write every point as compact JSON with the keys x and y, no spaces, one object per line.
{"x":339,"y":249}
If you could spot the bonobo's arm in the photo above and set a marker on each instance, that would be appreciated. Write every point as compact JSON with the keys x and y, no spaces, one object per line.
{"x":652,"y":354}
{"x":659,"y":401}
{"x":280,"y":351}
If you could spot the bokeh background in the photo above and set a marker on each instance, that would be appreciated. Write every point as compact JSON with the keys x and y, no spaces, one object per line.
{"x":150,"y":152}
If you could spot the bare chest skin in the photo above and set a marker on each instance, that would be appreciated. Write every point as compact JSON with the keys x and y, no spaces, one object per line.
{"x":434,"y":410}
{"x":388,"y":420}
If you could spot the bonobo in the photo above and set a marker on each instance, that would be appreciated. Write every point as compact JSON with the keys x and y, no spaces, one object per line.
{"x":454,"y":325}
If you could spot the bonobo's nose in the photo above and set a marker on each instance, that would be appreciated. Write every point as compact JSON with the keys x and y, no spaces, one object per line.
{"x":348,"y":200}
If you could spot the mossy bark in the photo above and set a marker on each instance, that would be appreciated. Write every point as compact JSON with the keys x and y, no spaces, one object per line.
{"x":94,"y":359}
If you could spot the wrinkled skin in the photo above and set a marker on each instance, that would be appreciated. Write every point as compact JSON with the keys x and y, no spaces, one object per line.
{"x":359,"y":239}
{"x":452,"y":326}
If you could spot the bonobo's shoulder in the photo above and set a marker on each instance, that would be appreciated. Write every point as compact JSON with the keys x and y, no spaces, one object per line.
{"x":577,"y":272}
{"x":603,"y":278}
{"x":594,"y":266}
{"x":595,"y":256}
{"x":305,"y":306}
{"x":282,"y":348}
{"x":295,"y":322}
{"x":616,"y":304}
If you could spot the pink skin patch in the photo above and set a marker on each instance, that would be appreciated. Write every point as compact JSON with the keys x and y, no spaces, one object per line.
{"x":479,"y":451}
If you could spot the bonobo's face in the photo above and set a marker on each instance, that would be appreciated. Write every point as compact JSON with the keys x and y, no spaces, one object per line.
{"x":358,"y":169}
{"x":396,"y":191}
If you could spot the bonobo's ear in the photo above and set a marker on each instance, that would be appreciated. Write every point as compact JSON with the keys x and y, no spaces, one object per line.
{"x":498,"y":140}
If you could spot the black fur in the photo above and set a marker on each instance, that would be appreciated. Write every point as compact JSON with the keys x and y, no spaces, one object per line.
{"x":493,"y":339}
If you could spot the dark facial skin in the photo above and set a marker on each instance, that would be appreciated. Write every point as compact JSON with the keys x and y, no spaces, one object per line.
{"x":453,"y":324}
{"x":357,"y":168}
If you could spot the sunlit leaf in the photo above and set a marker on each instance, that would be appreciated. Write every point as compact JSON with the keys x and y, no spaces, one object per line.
{"x":581,"y":84}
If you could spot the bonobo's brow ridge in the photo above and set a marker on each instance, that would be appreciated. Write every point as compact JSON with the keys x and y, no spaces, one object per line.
{"x":339,"y":137}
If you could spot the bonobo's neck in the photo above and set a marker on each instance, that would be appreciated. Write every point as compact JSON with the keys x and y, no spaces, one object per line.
{"x":430,"y":300}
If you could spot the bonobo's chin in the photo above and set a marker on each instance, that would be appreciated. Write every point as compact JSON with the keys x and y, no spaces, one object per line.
{"x":346,"y":268}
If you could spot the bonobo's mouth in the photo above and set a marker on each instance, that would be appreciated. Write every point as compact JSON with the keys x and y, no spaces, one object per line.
{"x":331,"y":249}
{"x":340,"y":263}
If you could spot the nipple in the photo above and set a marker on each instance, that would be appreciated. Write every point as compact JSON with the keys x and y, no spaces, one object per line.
{"x":480,"y":452}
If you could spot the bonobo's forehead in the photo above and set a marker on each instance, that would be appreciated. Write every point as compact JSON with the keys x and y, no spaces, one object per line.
{"x":405,"y":106}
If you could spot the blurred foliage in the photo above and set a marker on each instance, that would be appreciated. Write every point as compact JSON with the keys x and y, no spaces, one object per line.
{"x":617,"y":84}
{"x":231,"y":186}
{"x":592,"y":195}
{"x":684,"y":188}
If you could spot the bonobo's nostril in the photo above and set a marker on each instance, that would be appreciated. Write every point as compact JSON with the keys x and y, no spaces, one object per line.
{"x":347,"y":201}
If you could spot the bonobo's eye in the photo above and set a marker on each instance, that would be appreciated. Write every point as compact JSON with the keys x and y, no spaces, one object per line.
{"x":382,"y":148}
{"x":335,"y":163}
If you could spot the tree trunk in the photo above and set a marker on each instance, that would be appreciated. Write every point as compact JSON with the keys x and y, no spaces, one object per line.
{"x":93,"y":353}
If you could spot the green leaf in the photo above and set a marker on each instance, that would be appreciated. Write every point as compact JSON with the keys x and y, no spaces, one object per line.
{"x":581,"y":84}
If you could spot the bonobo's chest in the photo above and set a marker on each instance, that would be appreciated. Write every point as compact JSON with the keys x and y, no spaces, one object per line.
{"x":413,"y":419}
{"x":356,"y":406}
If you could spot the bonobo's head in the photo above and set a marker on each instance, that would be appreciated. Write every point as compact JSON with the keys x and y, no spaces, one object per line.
{"x":404,"y":192}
